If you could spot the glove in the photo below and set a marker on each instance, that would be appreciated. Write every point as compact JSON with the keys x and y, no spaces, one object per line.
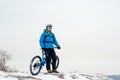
{"x":43,"y":49}
{"x":59,"y":47}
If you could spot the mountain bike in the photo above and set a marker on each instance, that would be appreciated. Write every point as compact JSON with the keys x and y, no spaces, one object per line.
{"x":38,"y":62}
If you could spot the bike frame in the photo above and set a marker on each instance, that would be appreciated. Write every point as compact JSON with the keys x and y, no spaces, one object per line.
{"x":43,"y":60}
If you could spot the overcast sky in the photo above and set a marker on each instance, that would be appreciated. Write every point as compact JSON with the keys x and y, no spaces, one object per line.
{"x":87,"y":30}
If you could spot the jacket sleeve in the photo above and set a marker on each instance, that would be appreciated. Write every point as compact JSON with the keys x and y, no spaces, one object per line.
{"x":55,"y":41}
{"x":41,"y":40}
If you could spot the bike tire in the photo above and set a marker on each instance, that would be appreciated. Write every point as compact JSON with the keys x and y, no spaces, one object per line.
{"x":32,"y":67}
{"x":57,"y":61}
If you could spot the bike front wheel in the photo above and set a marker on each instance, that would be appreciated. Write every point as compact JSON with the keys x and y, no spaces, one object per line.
{"x":35,"y":65}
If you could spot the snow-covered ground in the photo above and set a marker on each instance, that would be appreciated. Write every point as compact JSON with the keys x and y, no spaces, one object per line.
{"x":52,"y":76}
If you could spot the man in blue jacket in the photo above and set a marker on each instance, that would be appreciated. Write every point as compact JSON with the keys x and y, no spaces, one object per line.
{"x":47,"y":42}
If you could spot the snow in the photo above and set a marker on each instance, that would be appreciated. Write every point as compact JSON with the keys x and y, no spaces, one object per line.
{"x":8,"y":79}
{"x":52,"y":76}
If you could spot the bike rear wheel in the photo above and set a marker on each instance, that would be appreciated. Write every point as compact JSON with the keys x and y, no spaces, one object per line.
{"x":57,"y":61}
{"x":35,"y":65}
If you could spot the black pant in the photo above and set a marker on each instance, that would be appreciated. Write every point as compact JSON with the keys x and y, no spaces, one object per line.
{"x":50,"y":54}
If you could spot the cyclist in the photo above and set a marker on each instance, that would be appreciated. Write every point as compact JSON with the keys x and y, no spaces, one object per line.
{"x":47,"y":42}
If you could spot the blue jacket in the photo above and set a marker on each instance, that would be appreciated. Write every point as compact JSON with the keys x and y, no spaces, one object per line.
{"x":47,"y":39}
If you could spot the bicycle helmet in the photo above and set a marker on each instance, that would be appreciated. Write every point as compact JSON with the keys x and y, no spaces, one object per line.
{"x":49,"y":25}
